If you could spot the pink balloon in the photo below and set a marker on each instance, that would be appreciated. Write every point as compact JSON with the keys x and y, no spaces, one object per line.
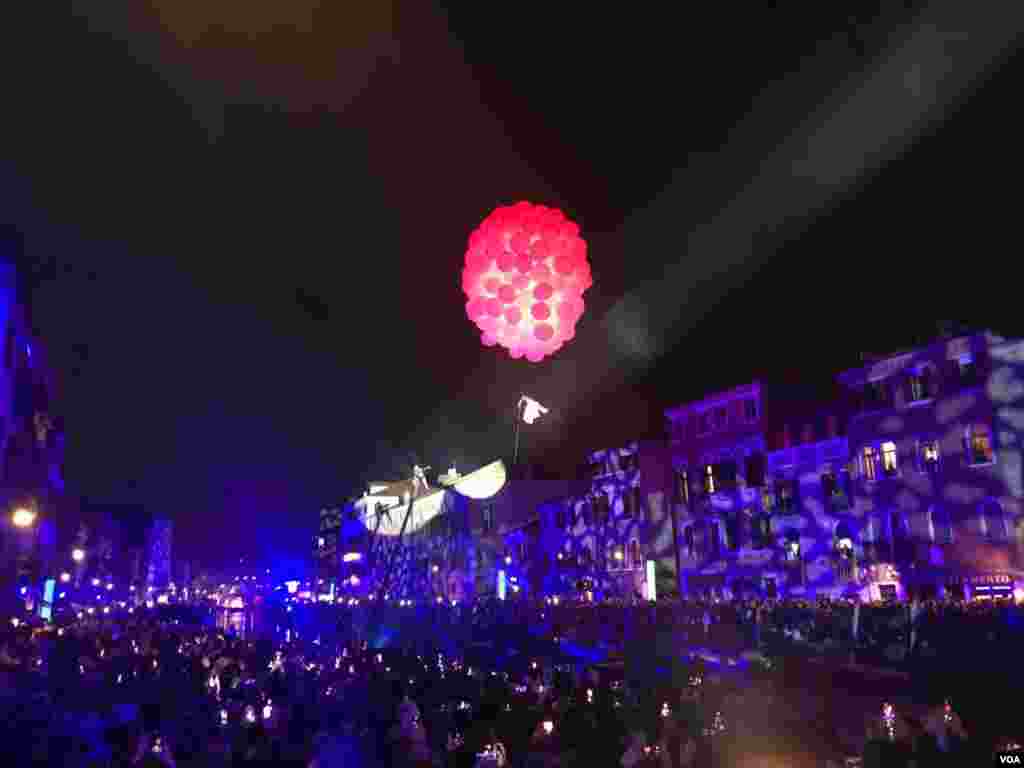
{"x":507,"y":261}
{"x":544,"y":265}
{"x":520,"y":243}
{"x":540,"y":273}
{"x":564,"y":264}
{"x":476,"y":308}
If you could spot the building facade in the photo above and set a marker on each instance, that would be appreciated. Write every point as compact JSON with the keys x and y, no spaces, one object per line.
{"x":763,"y":493}
{"x":718,"y":460}
{"x":31,"y":440}
{"x":936,"y":466}
{"x":600,"y":538}
{"x":509,"y":533}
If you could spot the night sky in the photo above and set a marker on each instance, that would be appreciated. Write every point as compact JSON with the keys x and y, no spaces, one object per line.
{"x":244,"y":228}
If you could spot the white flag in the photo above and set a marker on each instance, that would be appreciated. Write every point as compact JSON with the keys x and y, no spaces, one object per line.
{"x":531,"y":409}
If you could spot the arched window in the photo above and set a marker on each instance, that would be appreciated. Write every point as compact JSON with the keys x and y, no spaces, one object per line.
{"x":792,"y":545}
{"x":843,"y":538}
{"x":634,"y":552}
{"x":940,"y":524}
{"x":993,"y":522}
{"x":978,"y":444}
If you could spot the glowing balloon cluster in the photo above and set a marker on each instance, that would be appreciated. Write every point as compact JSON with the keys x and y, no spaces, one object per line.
{"x":525,"y":274}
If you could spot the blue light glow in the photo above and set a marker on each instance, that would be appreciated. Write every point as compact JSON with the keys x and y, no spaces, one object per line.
{"x":501,"y":585}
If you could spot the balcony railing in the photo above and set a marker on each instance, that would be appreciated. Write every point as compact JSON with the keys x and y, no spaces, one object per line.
{"x":846,"y":568}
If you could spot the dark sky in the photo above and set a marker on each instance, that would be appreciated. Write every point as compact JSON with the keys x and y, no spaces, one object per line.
{"x":244,"y":228}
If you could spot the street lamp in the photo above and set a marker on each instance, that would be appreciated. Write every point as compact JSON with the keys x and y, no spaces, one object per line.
{"x":78,"y":554}
{"x":23,"y":517}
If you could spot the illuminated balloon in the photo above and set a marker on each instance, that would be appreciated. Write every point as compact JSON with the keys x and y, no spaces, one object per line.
{"x":525,"y":275}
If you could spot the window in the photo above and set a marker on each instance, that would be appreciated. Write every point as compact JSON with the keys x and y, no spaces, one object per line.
{"x":978,"y":444}
{"x":688,"y":540}
{"x":523,"y":550}
{"x":709,"y":479}
{"x":488,"y":518}
{"x":721,"y":418}
{"x":792,"y":546}
{"x":631,"y":502}
{"x":889,"y":459}
{"x":602,"y":509}
{"x":587,"y":515}
{"x":682,"y":487}
{"x":964,"y":370}
{"x":887,"y":592}
{"x":784,"y":502}
{"x":870,"y":531}
{"x":618,"y":558}
{"x":761,"y":534}
{"x":828,"y":484}
{"x":876,"y":395}
{"x":844,"y":546}
{"x":929,"y":453}
{"x":767,"y":499}
{"x":714,"y":538}
{"x":750,"y":410}
{"x":560,"y":516}
{"x":755,"y":470}
{"x":919,"y":385}
{"x":869,"y":463}
{"x":635,"y":557}
{"x":993,"y":522}
{"x":627,"y":462}
{"x":704,"y":423}
{"x":940,"y":525}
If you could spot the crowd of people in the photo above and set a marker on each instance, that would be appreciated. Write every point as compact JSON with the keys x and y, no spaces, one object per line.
{"x":331,"y":690}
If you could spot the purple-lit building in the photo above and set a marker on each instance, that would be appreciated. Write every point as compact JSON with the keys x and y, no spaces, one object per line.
{"x":718,"y":464}
{"x":602,"y":535}
{"x":937,"y":469}
{"x":31,"y":439}
{"x":762,"y":493}
{"x":509,"y":533}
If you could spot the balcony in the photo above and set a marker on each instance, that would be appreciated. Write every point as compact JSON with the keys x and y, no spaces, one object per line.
{"x":846,"y":569}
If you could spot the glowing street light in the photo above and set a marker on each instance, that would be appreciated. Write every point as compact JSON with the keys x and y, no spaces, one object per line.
{"x":65,"y":577}
{"x":23,"y":517}
{"x":78,"y":554}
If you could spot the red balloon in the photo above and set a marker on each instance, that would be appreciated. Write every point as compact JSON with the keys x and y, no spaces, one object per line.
{"x":524,"y":277}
